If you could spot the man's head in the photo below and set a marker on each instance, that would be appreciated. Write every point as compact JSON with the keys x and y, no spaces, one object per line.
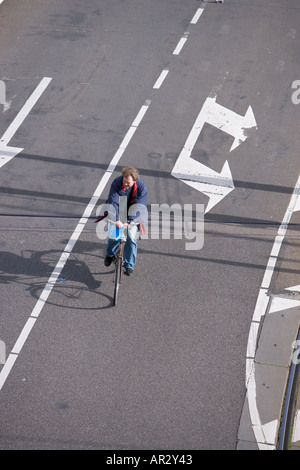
{"x":130,"y":175}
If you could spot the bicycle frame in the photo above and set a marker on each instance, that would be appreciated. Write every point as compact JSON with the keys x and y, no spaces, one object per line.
{"x":118,"y":272}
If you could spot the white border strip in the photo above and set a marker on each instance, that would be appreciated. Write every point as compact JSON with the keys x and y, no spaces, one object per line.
{"x":68,"y":249}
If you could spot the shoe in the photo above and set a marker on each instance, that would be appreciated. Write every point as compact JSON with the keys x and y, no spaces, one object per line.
{"x":108,"y":260}
{"x":128,"y":271}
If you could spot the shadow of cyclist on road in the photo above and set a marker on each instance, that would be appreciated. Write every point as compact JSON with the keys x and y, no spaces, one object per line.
{"x":39,"y":266}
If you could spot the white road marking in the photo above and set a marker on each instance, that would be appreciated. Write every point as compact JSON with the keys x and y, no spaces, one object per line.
{"x":297,"y":207}
{"x":294,"y":288}
{"x":215,"y":185}
{"x":197,"y":15}
{"x":180,"y":44}
{"x":228,"y":121}
{"x":259,"y":313}
{"x":7,"y":368}
{"x":68,"y":249}
{"x":282,"y":303}
{"x":23,"y":113}
{"x":279,"y":303}
{"x":160,"y":79}
{"x":8,"y":153}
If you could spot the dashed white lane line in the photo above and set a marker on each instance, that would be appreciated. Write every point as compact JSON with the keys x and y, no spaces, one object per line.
{"x":69,"y":247}
{"x":160,"y":79}
{"x":197,"y":16}
{"x":180,"y":44}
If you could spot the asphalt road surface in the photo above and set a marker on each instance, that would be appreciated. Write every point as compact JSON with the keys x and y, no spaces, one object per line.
{"x":198,"y":96}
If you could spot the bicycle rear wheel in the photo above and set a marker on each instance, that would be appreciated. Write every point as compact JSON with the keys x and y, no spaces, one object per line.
{"x":117,"y":280}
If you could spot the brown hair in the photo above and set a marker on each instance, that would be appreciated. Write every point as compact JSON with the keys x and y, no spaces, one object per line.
{"x":131,"y":171}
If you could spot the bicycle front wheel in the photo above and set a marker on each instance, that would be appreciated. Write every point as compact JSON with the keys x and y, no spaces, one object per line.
{"x":117,"y":280}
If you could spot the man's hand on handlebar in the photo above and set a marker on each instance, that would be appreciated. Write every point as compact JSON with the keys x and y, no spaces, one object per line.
{"x":120,"y":225}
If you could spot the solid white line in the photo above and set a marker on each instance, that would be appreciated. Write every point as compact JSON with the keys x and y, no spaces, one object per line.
{"x":141,"y":114}
{"x":261,"y":304}
{"x":68,"y":249}
{"x":160,"y":79}
{"x":197,"y":16}
{"x":23,"y":335}
{"x":180,"y":44}
{"x":128,"y":137}
{"x":14,"y":126}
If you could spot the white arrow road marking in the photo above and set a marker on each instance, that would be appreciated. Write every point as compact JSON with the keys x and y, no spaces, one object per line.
{"x":294,"y":288}
{"x":6,"y":152}
{"x":229,"y":121}
{"x":283,"y":303}
{"x":215,"y":185}
{"x":209,"y":182}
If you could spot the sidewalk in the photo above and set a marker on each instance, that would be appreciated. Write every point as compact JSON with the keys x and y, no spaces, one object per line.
{"x":266,"y":386}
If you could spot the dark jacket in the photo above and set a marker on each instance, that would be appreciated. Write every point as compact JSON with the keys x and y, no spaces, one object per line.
{"x":138,"y":195}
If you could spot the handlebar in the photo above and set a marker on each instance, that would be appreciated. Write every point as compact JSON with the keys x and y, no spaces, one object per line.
{"x":126,"y":223}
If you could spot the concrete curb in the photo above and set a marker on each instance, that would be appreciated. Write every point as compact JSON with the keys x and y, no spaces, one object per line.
{"x":271,"y":370}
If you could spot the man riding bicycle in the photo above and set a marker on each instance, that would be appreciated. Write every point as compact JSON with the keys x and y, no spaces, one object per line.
{"x":131,"y":187}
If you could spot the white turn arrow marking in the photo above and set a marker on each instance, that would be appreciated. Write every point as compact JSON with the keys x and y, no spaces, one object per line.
{"x":229,"y":121}
{"x":209,"y":182}
{"x":215,"y":185}
{"x":6,"y":152}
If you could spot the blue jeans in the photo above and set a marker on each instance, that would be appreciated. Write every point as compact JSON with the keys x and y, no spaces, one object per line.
{"x":130,"y":248}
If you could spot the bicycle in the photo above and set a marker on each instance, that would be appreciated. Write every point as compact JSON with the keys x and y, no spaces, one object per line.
{"x":118,"y":259}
